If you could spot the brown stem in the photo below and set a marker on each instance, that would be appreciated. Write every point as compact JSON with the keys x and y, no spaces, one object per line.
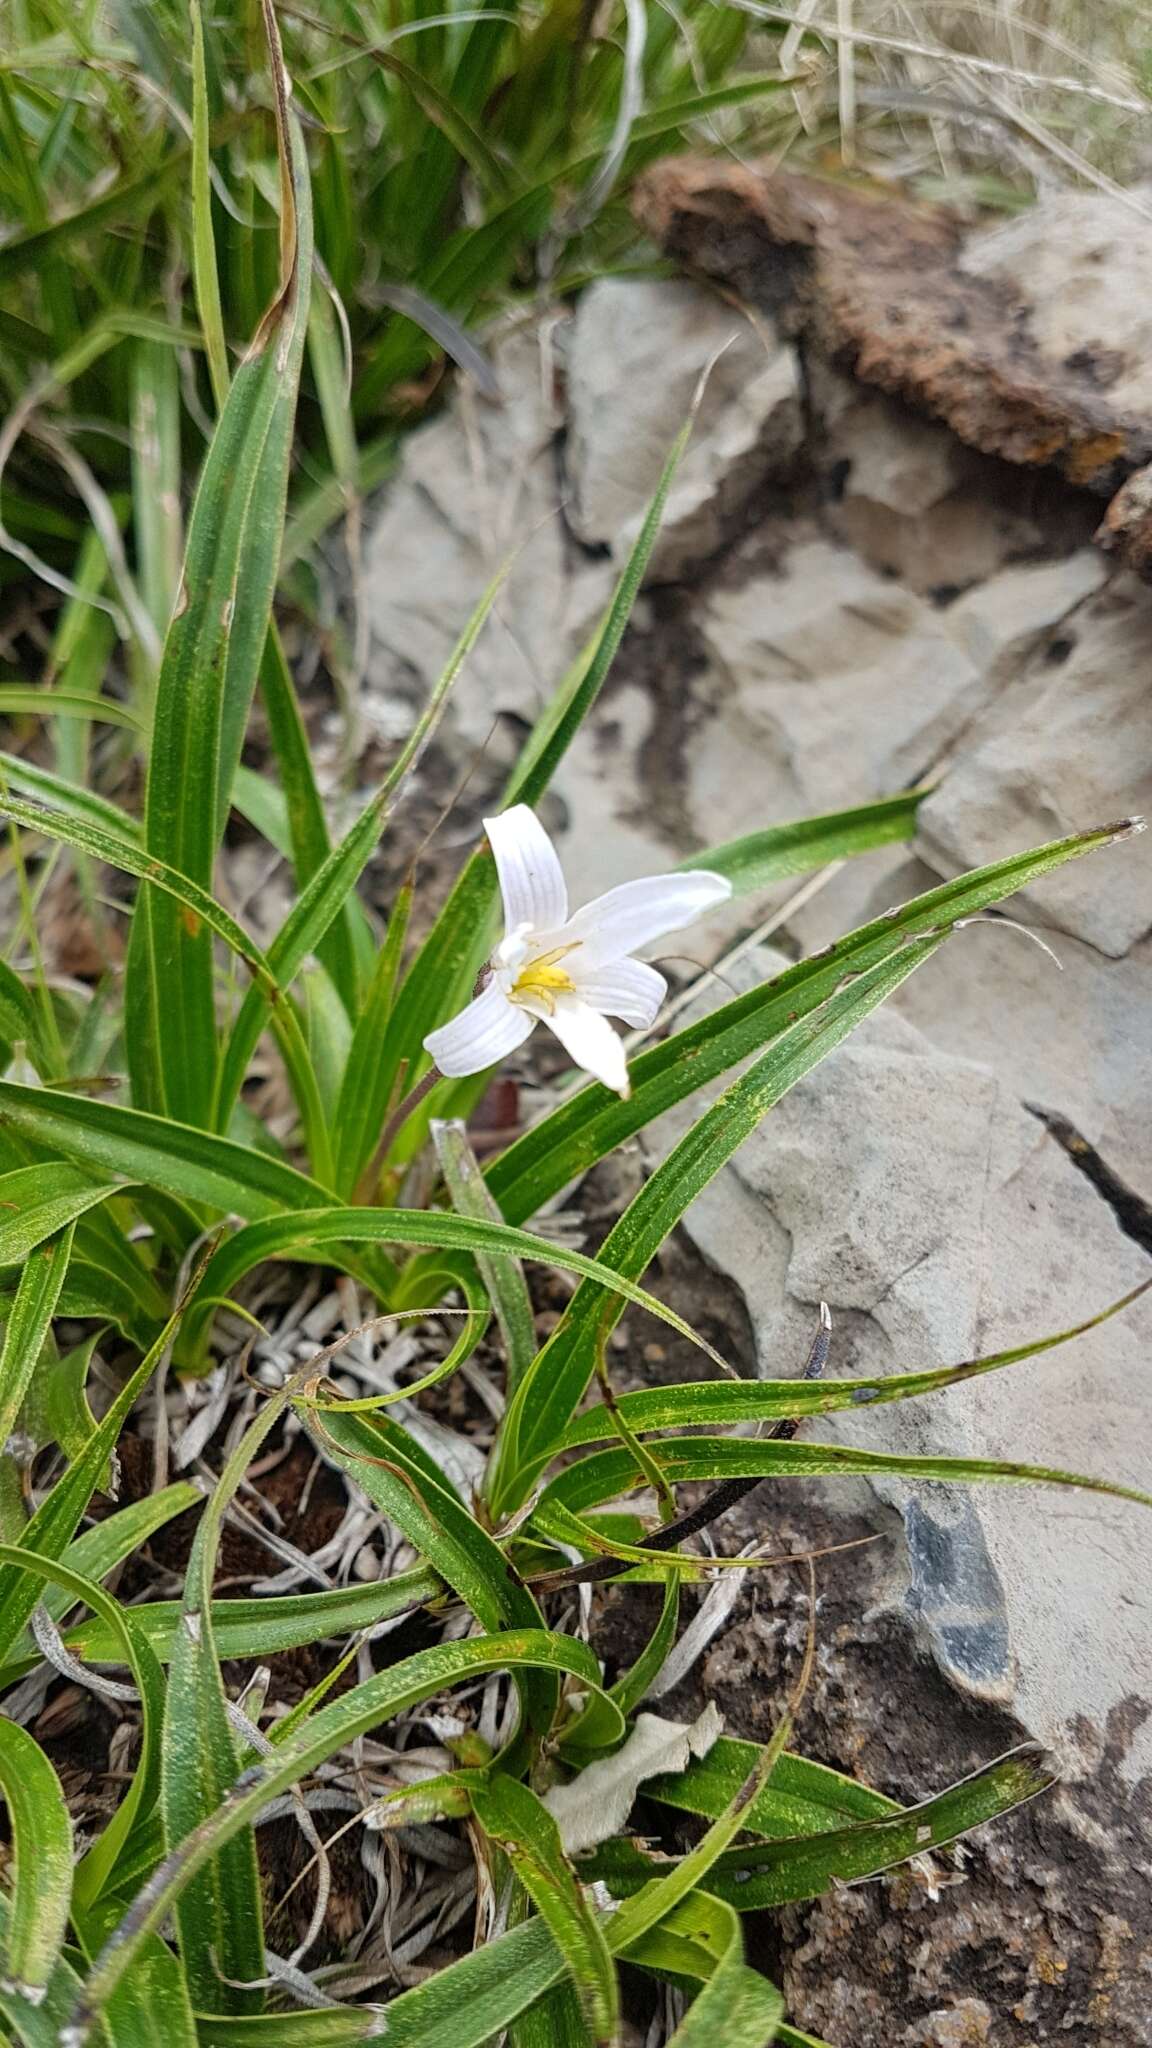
{"x":366,"y":1186}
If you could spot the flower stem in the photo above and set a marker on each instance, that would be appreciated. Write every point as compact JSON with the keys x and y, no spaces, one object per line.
{"x":366,"y":1186}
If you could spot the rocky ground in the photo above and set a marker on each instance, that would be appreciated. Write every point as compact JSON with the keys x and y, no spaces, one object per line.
{"x":848,"y":598}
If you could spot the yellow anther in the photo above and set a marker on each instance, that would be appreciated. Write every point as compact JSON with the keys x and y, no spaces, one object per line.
{"x":543,"y":979}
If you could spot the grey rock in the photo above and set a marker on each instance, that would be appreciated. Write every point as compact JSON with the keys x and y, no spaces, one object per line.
{"x":477,"y":488}
{"x":1074,"y":1039}
{"x":837,"y":685}
{"x":637,"y":352}
{"x":907,"y":495}
{"x":1065,"y":749}
{"x":1001,"y":621}
{"x":1087,"y":259}
{"x":914,"y":1193}
{"x":893,"y":458}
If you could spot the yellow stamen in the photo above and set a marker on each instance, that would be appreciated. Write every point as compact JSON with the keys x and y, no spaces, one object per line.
{"x":543,"y":979}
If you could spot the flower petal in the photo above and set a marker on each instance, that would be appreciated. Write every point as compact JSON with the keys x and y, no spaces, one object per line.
{"x":637,"y":912}
{"x":531,"y":878}
{"x":484,"y":1032}
{"x":590,"y":1042}
{"x":628,"y":989}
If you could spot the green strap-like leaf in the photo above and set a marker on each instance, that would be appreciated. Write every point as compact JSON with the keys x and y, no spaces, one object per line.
{"x":132,"y":1649}
{"x":81,"y":805}
{"x":402,"y":1481}
{"x":720,"y":1402}
{"x":219,"y":1915}
{"x":152,"y":2005}
{"x":736,"y":2005}
{"x":328,"y":890}
{"x":29,"y":1322}
{"x":759,"y":1874}
{"x":514,"y":1818}
{"x":191,"y":1164}
{"x":208,"y":673}
{"x":54,"y":1524}
{"x":41,"y":1871}
{"x":198,"y":905}
{"x":242,"y":1628}
{"x":800,"y":1798}
{"x":37,"y":1201}
{"x":286,"y":1236}
{"x":204,"y":272}
{"x":760,"y":858}
{"x":348,"y":940}
{"x":363,"y":1104}
{"x":466,"y":2005}
{"x":539,"y":1413}
{"x":604,"y":1474}
{"x":503,"y":1278}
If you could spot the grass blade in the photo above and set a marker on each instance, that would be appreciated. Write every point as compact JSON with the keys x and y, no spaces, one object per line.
{"x":17,"y":699}
{"x":219,"y":1915}
{"x":760,"y":858}
{"x":736,"y":2004}
{"x":313,"y":1231}
{"x":204,"y":272}
{"x":345,"y":946}
{"x":258,"y":1627}
{"x":728,"y":1401}
{"x":194,"y":1165}
{"x":208,"y":672}
{"x":55,"y":1522}
{"x":603,"y":1474}
{"x":197,"y":904}
{"x":41,"y":1872}
{"x":514,"y":1818}
{"x":756,"y":1875}
{"x":466,"y":2005}
{"x":83,"y":806}
{"x":156,"y":477}
{"x":800,"y":1798}
{"x":68,"y":1585}
{"x":37,"y":1201}
{"x":413,"y":1493}
{"x":324,"y":896}
{"x":362,"y":1105}
{"x":503,"y":1278}
{"x":29,"y":1322}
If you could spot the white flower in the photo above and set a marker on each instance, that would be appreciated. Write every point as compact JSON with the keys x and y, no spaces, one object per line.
{"x":571,"y":973}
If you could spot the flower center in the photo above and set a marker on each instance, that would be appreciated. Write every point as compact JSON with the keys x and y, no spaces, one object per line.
{"x":543,"y":979}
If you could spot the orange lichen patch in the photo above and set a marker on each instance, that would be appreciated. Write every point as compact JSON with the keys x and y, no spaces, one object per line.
{"x":1099,"y":453}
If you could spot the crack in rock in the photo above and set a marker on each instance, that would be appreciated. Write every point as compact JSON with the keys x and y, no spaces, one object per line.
{"x":1132,"y":1212}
